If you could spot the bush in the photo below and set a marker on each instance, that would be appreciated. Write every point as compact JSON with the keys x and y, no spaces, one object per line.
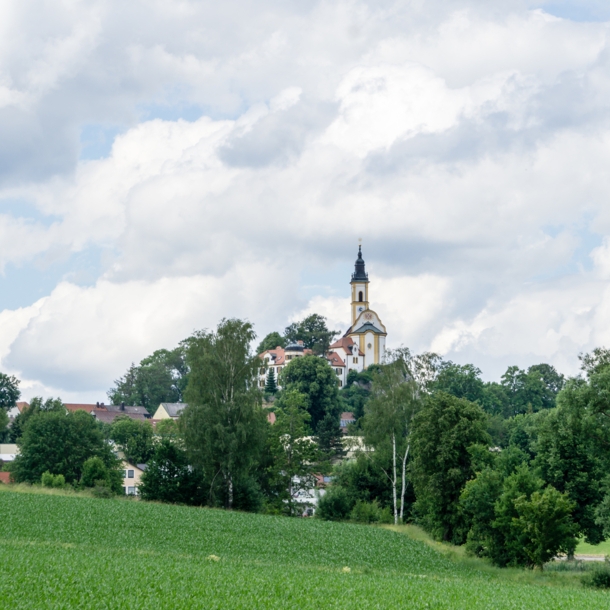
{"x":59,"y":481}
{"x":47,"y":479}
{"x":101,"y":490}
{"x":334,"y":505}
{"x":366,"y":512}
{"x":598,"y":577}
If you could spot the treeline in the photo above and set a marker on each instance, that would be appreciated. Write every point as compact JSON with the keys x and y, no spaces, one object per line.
{"x":515,"y":470}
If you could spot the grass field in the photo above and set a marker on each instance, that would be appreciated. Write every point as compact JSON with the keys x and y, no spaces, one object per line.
{"x":598,"y":549}
{"x":75,"y":552}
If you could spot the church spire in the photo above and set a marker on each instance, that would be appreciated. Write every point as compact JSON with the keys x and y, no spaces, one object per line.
{"x":360,"y":274}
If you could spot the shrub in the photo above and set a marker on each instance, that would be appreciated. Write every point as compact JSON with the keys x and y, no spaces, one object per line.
{"x":59,"y":481}
{"x":101,"y":490}
{"x":334,"y":505}
{"x":598,"y":577}
{"x":366,"y":512}
{"x":47,"y":479}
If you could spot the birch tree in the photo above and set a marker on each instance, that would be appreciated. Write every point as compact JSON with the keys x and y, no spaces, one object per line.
{"x":396,"y":396}
{"x":224,"y":424}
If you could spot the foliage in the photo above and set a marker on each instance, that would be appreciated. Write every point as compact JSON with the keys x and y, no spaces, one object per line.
{"x":167,"y":428}
{"x":330,"y":437}
{"x":50,"y":480}
{"x":270,"y":384}
{"x":395,"y":399}
{"x":224,"y":425}
{"x":568,"y":458}
{"x":96,"y":473}
{"x":443,"y":431}
{"x":296,"y":457}
{"x":595,"y":362}
{"x":9,"y":391}
{"x":37,"y":405}
{"x":313,"y":332}
{"x":60,"y":443}
{"x":598,"y":577}
{"x":532,"y":390}
{"x":366,"y":512}
{"x":168,"y":477}
{"x":160,"y":377}
{"x":4,"y":420}
{"x":545,"y":525}
{"x":271,"y":341}
{"x":461,"y":381}
{"x":134,"y":438}
{"x":313,"y":377}
{"x":356,"y":392}
{"x":334,"y":505}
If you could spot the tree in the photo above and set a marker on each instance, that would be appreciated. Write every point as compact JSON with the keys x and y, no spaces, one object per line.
{"x":224,"y":425}
{"x":9,"y":391}
{"x":462,"y":381}
{"x":37,"y":405}
{"x":169,"y":478}
{"x":315,"y":378}
{"x":134,"y":438}
{"x":313,"y":332}
{"x":330,"y":437}
{"x":443,"y":431}
{"x":97,"y":474}
{"x":3,"y":424}
{"x":569,"y":460}
{"x":546,"y":526}
{"x":160,"y":377}
{"x":595,"y":362}
{"x":296,"y":456}
{"x":60,"y":443}
{"x":387,"y":422}
{"x":271,"y":341}
{"x":270,"y":384}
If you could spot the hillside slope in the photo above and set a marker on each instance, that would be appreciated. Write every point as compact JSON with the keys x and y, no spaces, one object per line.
{"x":72,"y":552}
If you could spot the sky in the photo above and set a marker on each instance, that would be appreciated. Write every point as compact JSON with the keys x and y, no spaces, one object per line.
{"x":166,"y":164}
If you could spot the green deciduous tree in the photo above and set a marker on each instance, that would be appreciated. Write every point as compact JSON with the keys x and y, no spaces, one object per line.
{"x":9,"y":391}
{"x":271,"y":341}
{"x":96,"y":473}
{"x":461,"y":381}
{"x":160,"y":377}
{"x":545,"y":525}
{"x":37,"y":405}
{"x":134,"y":438}
{"x":169,"y":477}
{"x":60,"y":443}
{"x":296,"y":456}
{"x":315,"y":378}
{"x":330,"y":437}
{"x":313,"y":332}
{"x":224,"y":425}
{"x":443,"y":431}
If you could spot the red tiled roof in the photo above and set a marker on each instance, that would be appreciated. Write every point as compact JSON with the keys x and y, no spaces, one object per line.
{"x":80,"y":407}
{"x":5,"y":477}
{"x":334,"y":359}
{"x":278,"y":355}
{"x":347,"y":416}
{"x":346,"y":343}
{"x":22,"y":405}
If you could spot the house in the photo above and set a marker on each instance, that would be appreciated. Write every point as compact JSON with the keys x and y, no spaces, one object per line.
{"x":132,"y":476}
{"x":276,"y":359}
{"x":169,"y":410}
{"x":72,"y":407}
{"x":8,"y":452}
{"x":5,"y":477}
{"x":108,"y":413}
{"x":345,"y":356}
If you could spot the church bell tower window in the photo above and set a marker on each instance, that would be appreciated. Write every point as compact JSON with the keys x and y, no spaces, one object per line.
{"x":360,"y":299}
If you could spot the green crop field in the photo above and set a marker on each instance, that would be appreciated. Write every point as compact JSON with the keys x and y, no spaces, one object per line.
{"x":60,"y":551}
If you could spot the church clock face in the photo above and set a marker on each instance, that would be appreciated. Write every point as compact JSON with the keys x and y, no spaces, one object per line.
{"x":360,"y":308}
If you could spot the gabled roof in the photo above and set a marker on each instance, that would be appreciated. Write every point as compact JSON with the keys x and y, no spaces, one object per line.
{"x":348,"y":345}
{"x":22,"y":405}
{"x":72,"y":406}
{"x":109,"y":416}
{"x":173,"y":409}
{"x":367,"y":327}
{"x":135,"y":410}
{"x":334,"y":359}
{"x":278,"y":355}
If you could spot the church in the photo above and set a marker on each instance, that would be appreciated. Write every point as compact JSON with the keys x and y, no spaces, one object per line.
{"x":363,"y":343}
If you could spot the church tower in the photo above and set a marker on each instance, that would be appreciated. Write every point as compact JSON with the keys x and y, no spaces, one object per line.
{"x":367,"y":331}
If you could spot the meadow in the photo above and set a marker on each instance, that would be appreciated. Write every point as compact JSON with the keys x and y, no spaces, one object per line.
{"x":62,"y":551}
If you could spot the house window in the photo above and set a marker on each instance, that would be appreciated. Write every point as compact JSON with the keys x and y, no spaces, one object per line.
{"x":340,"y":383}
{"x":131,"y":491}
{"x":360,"y":297}
{"x":262,"y":370}
{"x":130,"y":474}
{"x":125,"y":490}
{"x":124,"y":474}
{"x":338,"y":371}
{"x":355,"y":360}
{"x":288,"y":357}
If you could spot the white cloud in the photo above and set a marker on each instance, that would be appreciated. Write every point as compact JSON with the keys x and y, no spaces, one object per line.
{"x":466,"y":144}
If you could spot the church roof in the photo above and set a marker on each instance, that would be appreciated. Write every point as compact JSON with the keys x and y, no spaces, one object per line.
{"x":347,"y":343}
{"x":367,"y":327}
{"x":359,"y":275}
